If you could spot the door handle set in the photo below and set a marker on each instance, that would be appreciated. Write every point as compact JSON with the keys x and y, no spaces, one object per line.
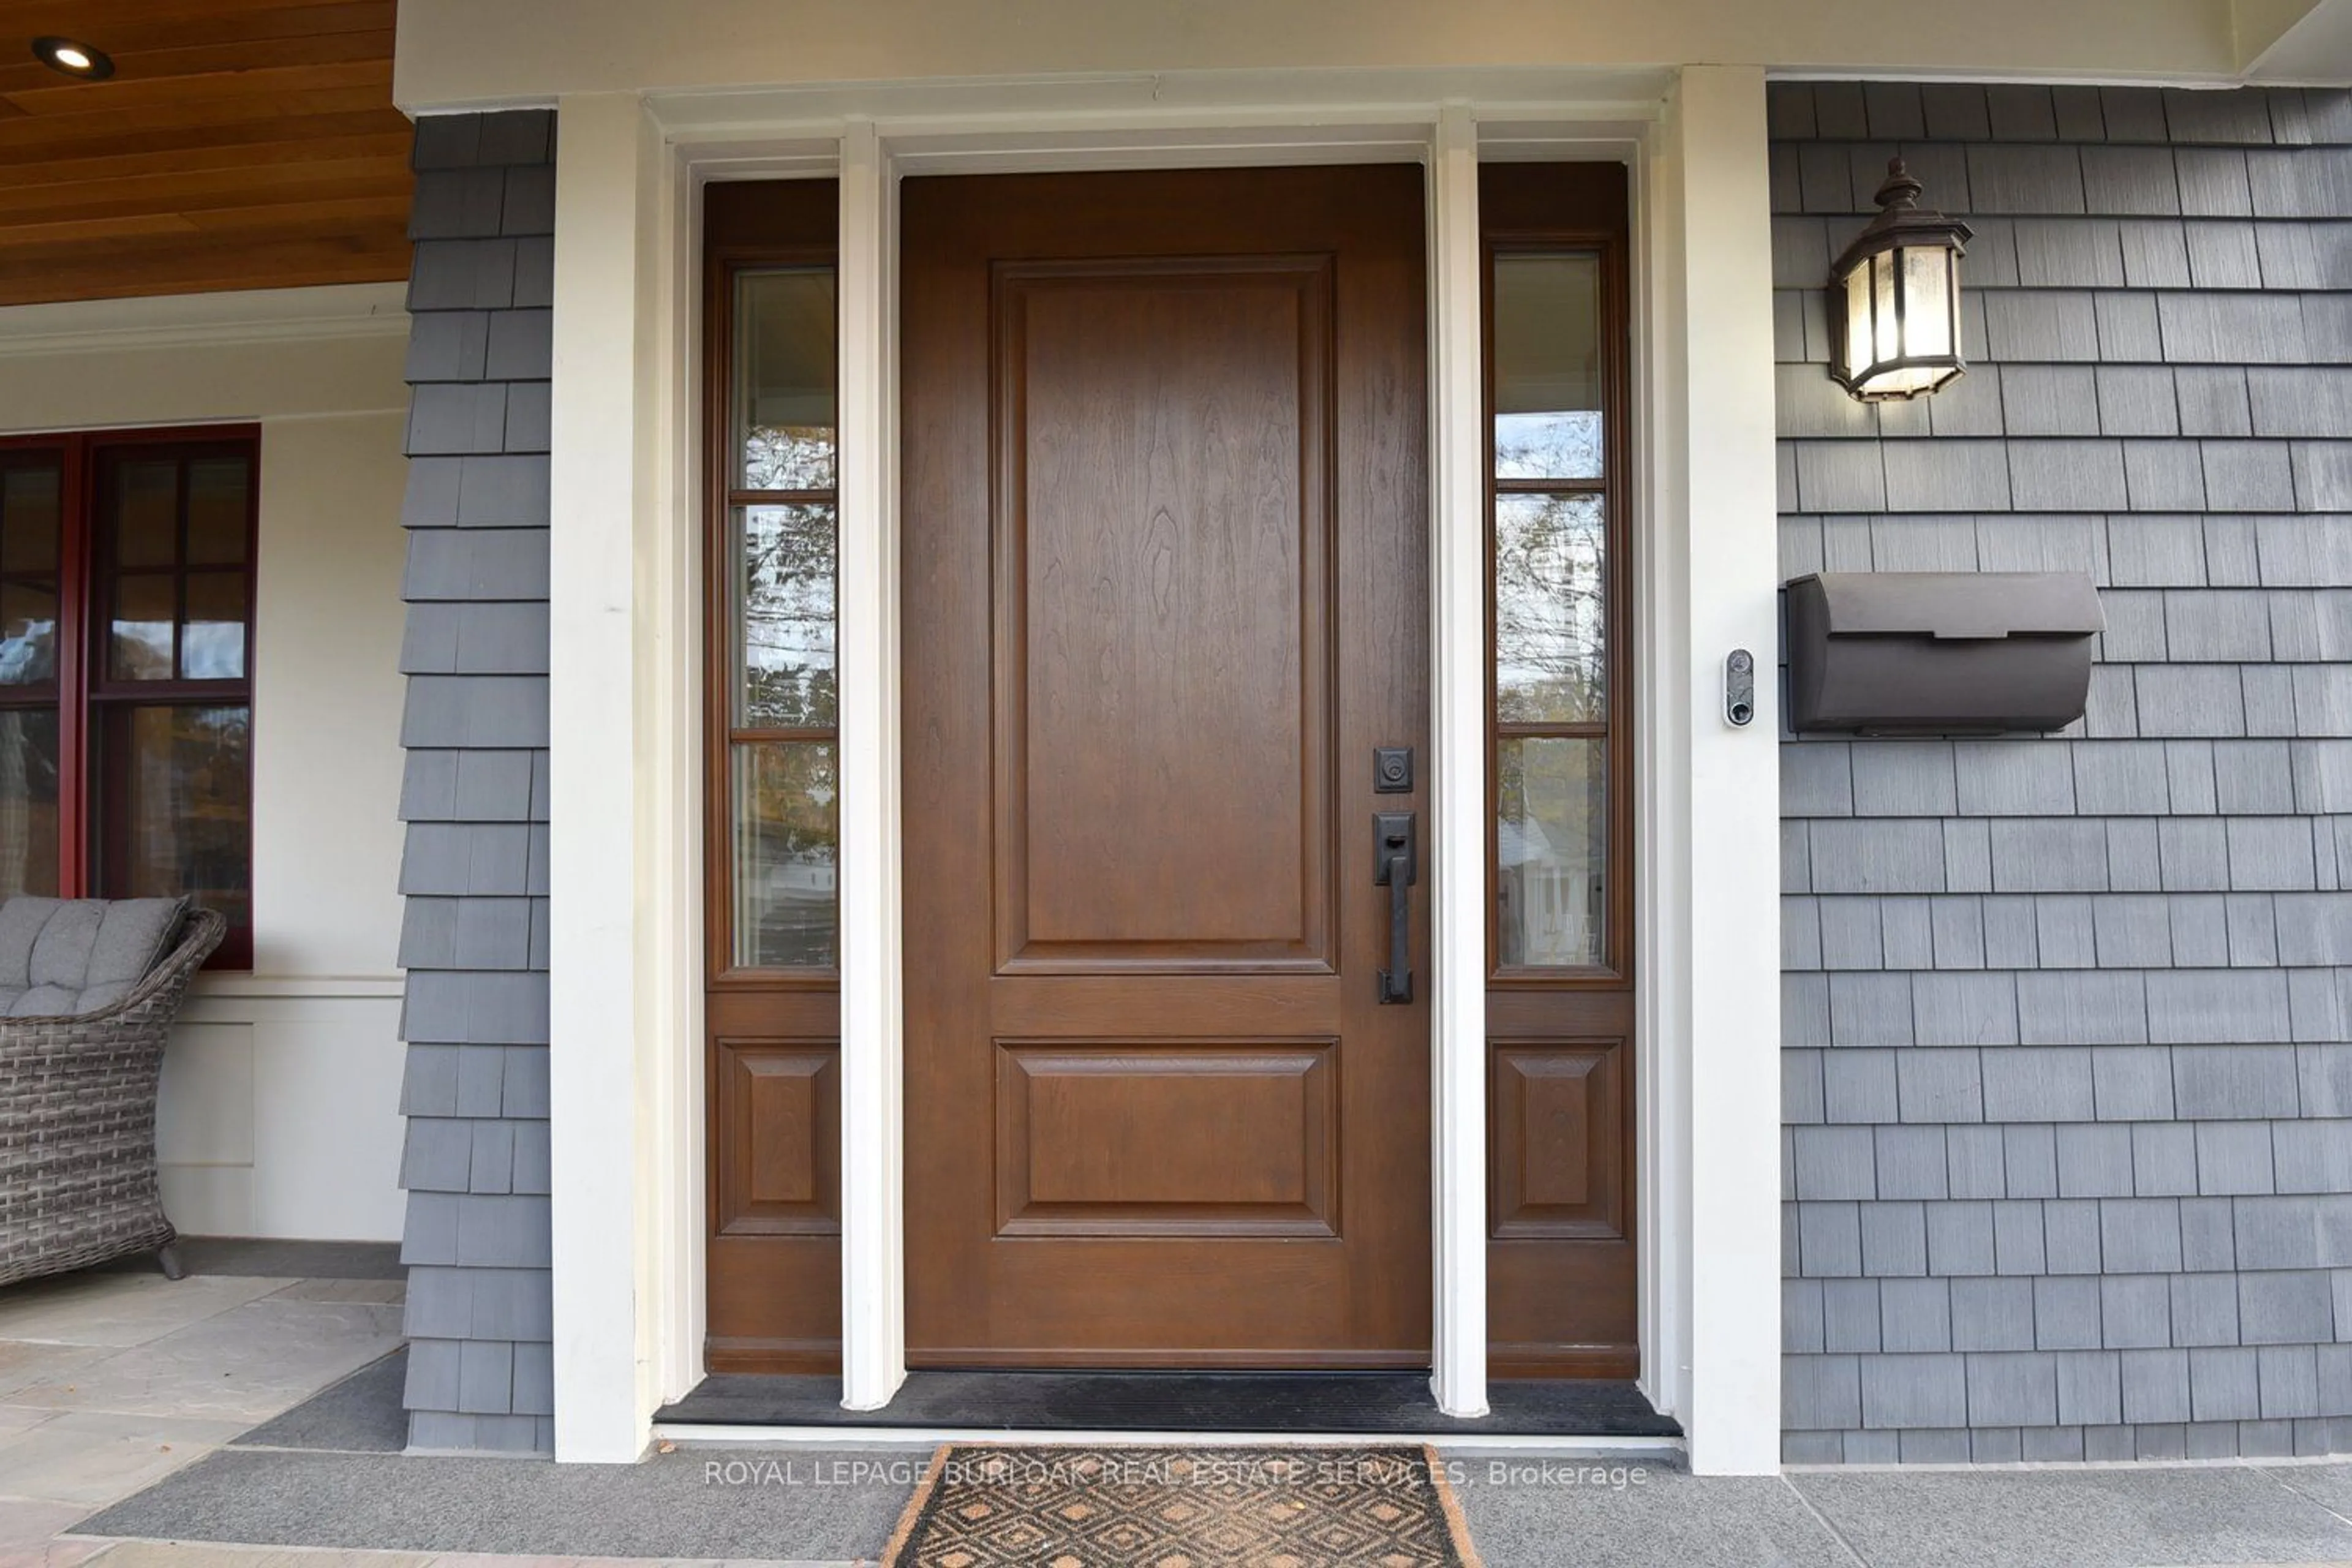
{"x":1396,"y":866}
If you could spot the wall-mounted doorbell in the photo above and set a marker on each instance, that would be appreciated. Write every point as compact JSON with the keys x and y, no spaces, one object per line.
{"x":1739,"y":688}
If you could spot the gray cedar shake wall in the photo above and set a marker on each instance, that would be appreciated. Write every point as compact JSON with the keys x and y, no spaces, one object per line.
{"x":475,"y":796}
{"x":2069,"y":1144}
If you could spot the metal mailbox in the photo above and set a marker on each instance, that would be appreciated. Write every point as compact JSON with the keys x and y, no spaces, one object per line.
{"x":1940,"y":653}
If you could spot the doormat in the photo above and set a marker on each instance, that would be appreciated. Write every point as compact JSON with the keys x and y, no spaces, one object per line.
{"x":985,"y":1506}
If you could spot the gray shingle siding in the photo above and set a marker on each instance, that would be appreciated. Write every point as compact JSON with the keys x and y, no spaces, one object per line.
{"x":2069,"y":1167}
{"x":474,"y":941}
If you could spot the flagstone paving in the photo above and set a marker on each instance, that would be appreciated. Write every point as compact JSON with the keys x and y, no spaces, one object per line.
{"x":111,"y":1380}
{"x":121,"y":1393}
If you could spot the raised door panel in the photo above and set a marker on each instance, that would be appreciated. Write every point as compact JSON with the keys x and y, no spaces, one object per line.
{"x":1164,"y":689}
{"x":1557,"y":1123}
{"x":1136,"y":1139}
{"x":779,"y":1115}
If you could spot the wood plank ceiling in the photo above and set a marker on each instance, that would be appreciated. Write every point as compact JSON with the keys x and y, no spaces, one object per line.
{"x":239,"y":144}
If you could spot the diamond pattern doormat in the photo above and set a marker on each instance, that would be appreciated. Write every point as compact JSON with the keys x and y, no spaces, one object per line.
{"x":988,"y":1507}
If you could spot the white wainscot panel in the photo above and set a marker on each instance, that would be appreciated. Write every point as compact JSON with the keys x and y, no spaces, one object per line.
{"x":327,"y":1127}
{"x":279,"y":1110}
{"x":204,"y":1128}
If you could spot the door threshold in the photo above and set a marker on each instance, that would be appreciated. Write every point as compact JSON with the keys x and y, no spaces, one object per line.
{"x":723,"y":1435}
{"x":1254,"y":1406}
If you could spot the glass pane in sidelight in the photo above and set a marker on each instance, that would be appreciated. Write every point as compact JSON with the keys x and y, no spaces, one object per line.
{"x":147,"y":513}
{"x":1547,"y":367}
{"x":212,"y":640}
{"x":1551,"y":607}
{"x":178,"y":807}
{"x":28,"y":632}
{"x":29,"y":510}
{"x":1551,"y":847}
{"x":786,"y":853}
{"x":785,"y":349}
{"x":28,"y":802}
{"x":139,"y":642}
{"x":783,"y":616}
{"x":219,"y":512}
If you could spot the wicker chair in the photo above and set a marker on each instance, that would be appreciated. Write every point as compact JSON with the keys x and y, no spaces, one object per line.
{"x":78,"y":1122}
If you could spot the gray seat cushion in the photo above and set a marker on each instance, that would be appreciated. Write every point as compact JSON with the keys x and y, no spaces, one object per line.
{"x":68,"y":956}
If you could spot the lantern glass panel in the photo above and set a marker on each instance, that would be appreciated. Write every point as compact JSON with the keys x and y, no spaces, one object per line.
{"x":1926,"y":302}
{"x":1857,"y":320}
{"x":1887,"y":322}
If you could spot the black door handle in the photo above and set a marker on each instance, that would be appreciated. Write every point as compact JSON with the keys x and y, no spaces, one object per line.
{"x":1396,"y":866}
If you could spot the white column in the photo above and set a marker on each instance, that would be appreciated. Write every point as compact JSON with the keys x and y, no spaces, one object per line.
{"x":1719,"y":392}
{"x":595,"y":719}
{"x":1457,"y":881}
{"x":873,"y":1203}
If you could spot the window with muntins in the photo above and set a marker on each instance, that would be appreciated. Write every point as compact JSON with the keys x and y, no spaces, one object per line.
{"x":779,"y":547}
{"x":1550,"y":554}
{"x":126,"y":659}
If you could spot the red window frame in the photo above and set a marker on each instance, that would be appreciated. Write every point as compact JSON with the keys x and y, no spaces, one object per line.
{"x":83,"y":692}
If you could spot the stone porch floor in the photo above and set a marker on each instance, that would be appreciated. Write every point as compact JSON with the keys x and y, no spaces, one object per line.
{"x":111,"y":1379}
{"x":119,"y":1387}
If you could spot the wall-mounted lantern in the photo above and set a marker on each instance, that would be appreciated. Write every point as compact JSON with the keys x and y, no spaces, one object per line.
{"x":1894,"y":298}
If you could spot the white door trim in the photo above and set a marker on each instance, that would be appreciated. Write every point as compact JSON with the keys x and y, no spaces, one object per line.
{"x":873,"y":1197}
{"x":1688,"y":762}
{"x":597,"y":1128}
{"x":1712,"y":801}
{"x":1457,"y":771}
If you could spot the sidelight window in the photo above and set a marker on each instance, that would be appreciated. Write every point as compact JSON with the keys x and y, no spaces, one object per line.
{"x":126,"y":639}
{"x":781,"y":531}
{"x":1550,"y":555}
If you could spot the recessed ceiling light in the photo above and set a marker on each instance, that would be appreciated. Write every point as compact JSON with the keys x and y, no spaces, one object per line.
{"x":68,"y":57}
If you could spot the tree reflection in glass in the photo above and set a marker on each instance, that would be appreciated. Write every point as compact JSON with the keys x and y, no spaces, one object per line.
{"x":28,"y":801}
{"x":1547,"y":367}
{"x":785,"y":364}
{"x":783,"y":539}
{"x":1550,"y":611}
{"x":786,"y":854}
{"x":183,"y":789}
{"x":29,"y":566}
{"x":1552,"y":827}
{"x":1563,"y":444}
{"x":785,"y":598}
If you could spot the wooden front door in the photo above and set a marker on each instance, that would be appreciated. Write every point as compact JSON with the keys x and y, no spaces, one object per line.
{"x":1165,"y":553}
